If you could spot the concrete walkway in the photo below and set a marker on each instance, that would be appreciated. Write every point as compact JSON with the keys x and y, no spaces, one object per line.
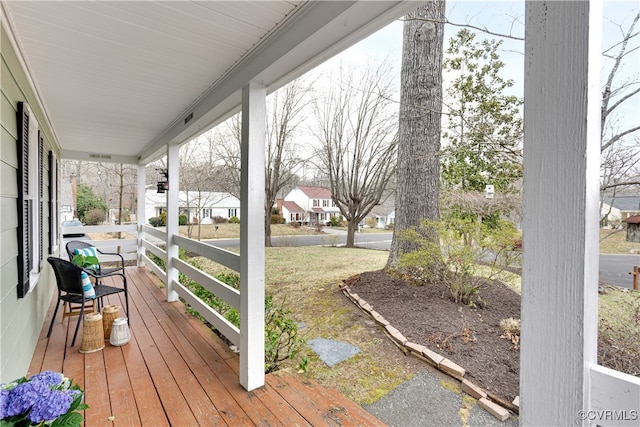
{"x":431,"y":398}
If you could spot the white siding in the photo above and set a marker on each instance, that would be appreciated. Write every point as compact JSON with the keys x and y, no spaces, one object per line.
{"x":21,"y":319}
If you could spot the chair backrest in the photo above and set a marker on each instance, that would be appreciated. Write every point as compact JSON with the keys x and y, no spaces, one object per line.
{"x":68,"y":275}
{"x":76,"y":244}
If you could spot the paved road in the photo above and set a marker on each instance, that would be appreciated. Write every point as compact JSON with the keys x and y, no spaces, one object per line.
{"x":614,"y":268}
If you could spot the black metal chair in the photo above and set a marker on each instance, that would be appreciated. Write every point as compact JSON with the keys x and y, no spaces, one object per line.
{"x":101,"y":271}
{"x":69,"y":281}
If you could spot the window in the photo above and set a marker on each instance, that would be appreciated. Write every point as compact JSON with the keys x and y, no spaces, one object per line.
{"x":316,"y":203}
{"x":325,"y":203}
{"x":233,"y":212}
{"x":333,"y":203}
{"x":30,"y":196}
{"x":207,"y":213}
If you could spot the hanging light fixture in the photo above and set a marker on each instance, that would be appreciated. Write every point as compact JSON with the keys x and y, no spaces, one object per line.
{"x":163,"y":184}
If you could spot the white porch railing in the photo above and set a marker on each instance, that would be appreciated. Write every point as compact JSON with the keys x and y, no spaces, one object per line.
{"x":213,"y":285}
{"x":127,"y":247}
{"x":153,"y":239}
{"x":615,"y":398}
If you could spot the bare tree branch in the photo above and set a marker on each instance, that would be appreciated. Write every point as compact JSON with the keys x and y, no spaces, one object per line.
{"x":621,"y":100}
{"x":355,"y":129}
{"x":286,"y":113}
{"x":607,"y":93}
{"x":483,"y":29}
{"x":620,"y":184}
{"x":616,"y":138}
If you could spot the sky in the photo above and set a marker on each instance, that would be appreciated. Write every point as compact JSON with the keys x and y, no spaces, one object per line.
{"x":501,"y":17}
{"x":497,"y":16}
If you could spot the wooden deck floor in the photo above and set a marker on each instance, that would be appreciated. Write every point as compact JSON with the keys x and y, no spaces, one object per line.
{"x":175,"y":371}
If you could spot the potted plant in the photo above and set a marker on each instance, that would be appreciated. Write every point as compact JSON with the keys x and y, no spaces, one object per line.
{"x":47,"y":398}
{"x":86,"y":261}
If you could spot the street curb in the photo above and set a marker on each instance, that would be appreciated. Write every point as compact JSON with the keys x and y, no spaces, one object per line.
{"x":492,"y":404}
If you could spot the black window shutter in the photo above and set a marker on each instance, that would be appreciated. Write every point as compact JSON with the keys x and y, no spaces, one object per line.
{"x":24,"y":206}
{"x":41,"y":194}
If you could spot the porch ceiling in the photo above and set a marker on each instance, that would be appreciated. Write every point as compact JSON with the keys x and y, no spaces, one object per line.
{"x":119,"y":78}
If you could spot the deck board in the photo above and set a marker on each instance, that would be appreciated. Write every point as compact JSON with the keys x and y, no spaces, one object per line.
{"x":230,"y":394}
{"x":175,"y":371}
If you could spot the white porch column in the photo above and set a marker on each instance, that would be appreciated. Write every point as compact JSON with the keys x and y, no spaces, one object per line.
{"x":173,"y":151}
{"x":141,"y":214}
{"x":561,"y":192}
{"x":252,"y":236}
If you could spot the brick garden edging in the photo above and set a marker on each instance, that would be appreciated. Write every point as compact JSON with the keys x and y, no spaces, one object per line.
{"x":492,"y":404}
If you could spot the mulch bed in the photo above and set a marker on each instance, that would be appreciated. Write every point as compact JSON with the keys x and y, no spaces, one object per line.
{"x":469,"y":336}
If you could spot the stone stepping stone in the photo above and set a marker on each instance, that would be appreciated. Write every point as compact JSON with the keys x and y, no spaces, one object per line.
{"x":332,"y":352}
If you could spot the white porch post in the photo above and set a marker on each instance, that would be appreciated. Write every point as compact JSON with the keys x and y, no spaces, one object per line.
{"x":173,"y":151}
{"x":252,"y":236}
{"x":561,"y":192}
{"x":141,"y":214}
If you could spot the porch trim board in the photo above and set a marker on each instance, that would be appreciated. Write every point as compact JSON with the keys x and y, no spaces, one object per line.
{"x":140,"y":217}
{"x":155,"y":232}
{"x":561,"y":164}
{"x":614,"y":397}
{"x":173,"y":159}
{"x":213,"y":285}
{"x":225,"y":327}
{"x":222,"y":256}
{"x":252,"y":254}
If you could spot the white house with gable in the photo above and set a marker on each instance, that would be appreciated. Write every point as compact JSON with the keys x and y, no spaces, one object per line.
{"x":613,"y":210}
{"x":311,"y":205}
{"x":200,"y":205}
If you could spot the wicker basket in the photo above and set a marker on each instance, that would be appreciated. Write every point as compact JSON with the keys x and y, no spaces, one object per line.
{"x":109,"y":314}
{"x":92,"y":333}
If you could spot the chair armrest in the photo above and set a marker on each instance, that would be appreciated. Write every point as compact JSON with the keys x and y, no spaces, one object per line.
{"x":108,"y":253}
{"x":111,"y":253}
{"x":97,"y":276}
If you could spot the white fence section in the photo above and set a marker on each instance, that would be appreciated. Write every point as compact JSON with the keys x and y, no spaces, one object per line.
{"x":155,"y":237}
{"x":615,"y":398}
{"x":127,"y":246}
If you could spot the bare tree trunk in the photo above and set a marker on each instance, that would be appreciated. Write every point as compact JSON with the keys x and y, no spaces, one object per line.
{"x":267,"y":228}
{"x":418,"y":178}
{"x":351,"y":234}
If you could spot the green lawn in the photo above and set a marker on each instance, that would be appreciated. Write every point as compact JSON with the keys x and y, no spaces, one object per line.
{"x":313,"y":296}
{"x":307,"y":280}
{"x":230,"y":231}
{"x":614,"y":242}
